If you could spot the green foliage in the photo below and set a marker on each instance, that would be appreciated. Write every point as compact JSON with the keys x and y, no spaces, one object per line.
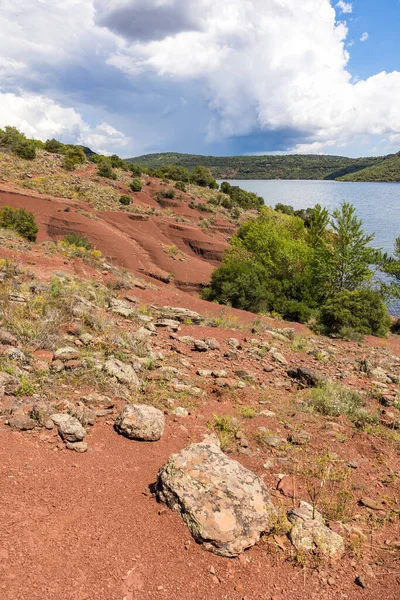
{"x":361,"y":310}
{"x":117,"y":162}
{"x":295,"y":166}
{"x":75,"y":239}
{"x":181,"y":186}
{"x":386,"y":169}
{"x":136,"y":170}
{"x":125,"y":200}
{"x":20,"y":221}
{"x":350,"y":256}
{"x":136,"y":185}
{"x":173,"y":172}
{"x":25,"y":149}
{"x":17,"y":142}
{"x":168,"y":193}
{"x":74,"y":156}
{"x":55,"y":146}
{"x":202,"y":176}
{"x":105,"y":168}
{"x":239,"y":197}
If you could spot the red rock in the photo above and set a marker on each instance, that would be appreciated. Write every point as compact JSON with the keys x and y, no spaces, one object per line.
{"x":286,"y":486}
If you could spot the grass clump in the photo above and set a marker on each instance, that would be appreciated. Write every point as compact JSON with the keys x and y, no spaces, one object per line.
{"x":227,"y":428}
{"x":75,"y":239}
{"x":333,"y":400}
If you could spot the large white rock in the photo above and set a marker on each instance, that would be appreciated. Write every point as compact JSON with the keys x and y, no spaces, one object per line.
{"x":141,"y":422}
{"x":225,"y":506}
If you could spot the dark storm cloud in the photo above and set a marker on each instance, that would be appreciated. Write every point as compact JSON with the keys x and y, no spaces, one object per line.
{"x":146,"y":20}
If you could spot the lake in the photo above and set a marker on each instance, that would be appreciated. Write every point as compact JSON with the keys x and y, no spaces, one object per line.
{"x":377,"y":204}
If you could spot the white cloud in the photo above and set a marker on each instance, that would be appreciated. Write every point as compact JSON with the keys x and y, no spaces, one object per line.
{"x":40,"y":117}
{"x":273,"y":65}
{"x":345,"y":7}
{"x":364,"y":37}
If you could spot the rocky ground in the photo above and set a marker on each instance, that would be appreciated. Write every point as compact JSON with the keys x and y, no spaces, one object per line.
{"x":154,"y":445}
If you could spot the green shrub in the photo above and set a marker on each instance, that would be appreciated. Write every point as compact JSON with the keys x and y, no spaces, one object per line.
{"x":169,"y":193}
{"x":293,"y":310}
{"x":136,"y":170}
{"x":74,"y":156}
{"x":55,"y":146}
{"x":117,"y":162}
{"x":20,"y":221}
{"x":136,"y":185}
{"x":75,"y":239}
{"x":203,"y":177}
{"x":25,"y":149}
{"x":125,"y":200}
{"x":360,"y":310}
{"x":105,"y":168}
{"x":181,"y":186}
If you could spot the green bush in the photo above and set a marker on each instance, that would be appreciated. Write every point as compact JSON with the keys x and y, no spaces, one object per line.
{"x":117,"y":162}
{"x":203,"y":177}
{"x":333,"y":400}
{"x":125,"y":200}
{"x":136,"y":170}
{"x":55,"y":146}
{"x":293,"y":310}
{"x":25,"y":149}
{"x":360,"y":310}
{"x":181,"y":186}
{"x":74,"y":156}
{"x":75,"y":239}
{"x":136,"y":185}
{"x":169,"y":193}
{"x":20,"y":221}
{"x":105,"y":169}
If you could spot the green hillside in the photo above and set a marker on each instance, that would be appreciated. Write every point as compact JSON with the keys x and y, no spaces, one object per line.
{"x":387,"y":169}
{"x":296,"y":166}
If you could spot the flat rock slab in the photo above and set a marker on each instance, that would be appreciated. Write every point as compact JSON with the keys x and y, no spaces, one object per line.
{"x":225,"y":506}
{"x":141,"y":422}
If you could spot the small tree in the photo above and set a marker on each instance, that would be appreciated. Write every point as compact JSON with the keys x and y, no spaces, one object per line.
{"x":203,"y":177}
{"x":55,"y":146}
{"x":125,"y":200}
{"x":105,"y":169}
{"x":350,"y":257}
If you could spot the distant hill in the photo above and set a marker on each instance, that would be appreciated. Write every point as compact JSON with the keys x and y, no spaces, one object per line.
{"x":387,"y":169}
{"x":295,"y":166}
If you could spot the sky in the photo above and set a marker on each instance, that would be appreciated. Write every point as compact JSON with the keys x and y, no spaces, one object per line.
{"x":203,"y":76}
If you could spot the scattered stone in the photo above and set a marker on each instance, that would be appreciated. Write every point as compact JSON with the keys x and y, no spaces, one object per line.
{"x":69,"y":428}
{"x":360,"y":581}
{"x":9,"y":385}
{"x":273,"y":441}
{"x":48,"y":424}
{"x":219,"y":373}
{"x":268,"y":413}
{"x":309,"y":532}
{"x":123,"y":372}
{"x":286,"y":486}
{"x":200,"y":346}
{"x":213,"y":344}
{"x":387,"y":400}
{"x":180,"y":411}
{"x":231,"y":384}
{"x":180,"y":314}
{"x":80,"y":447}
{"x":169,"y":323}
{"x":57,"y":366}
{"x":299,"y":438}
{"x":67,"y":353}
{"x":268,"y":368}
{"x":7,"y":338}
{"x":225,"y":506}
{"x":204,"y":373}
{"x":278,"y":357}
{"x":370,"y":503}
{"x":86,"y":339}
{"x":234,"y":343}
{"x":121,"y":308}
{"x":141,"y":422}
{"x":242,"y":374}
{"x":309,"y":377}
{"x":22,"y":423}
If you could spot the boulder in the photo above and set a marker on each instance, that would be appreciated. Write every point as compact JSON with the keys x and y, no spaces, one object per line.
{"x":22,"y":422}
{"x":309,"y":532}
{"x":309,"y":377}
{"x":69,"y":428}
{"x":123,"y":372}
{"x":225,"y":506}
{"x":141,"y":422}
{"x":9,"y":385}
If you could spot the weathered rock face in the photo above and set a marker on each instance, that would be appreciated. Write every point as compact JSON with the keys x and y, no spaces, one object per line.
{"x":69,"y":428}
{"x":141,"y":422}
{"x":310,"y":533}
{"x":66,"y":353}
{"x":123,"y":372}
{"x":121,"y":308}
{"x":225,"y":506}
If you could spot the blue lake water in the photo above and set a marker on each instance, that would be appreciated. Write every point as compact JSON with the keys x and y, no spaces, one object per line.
{"x":377,"y":204}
